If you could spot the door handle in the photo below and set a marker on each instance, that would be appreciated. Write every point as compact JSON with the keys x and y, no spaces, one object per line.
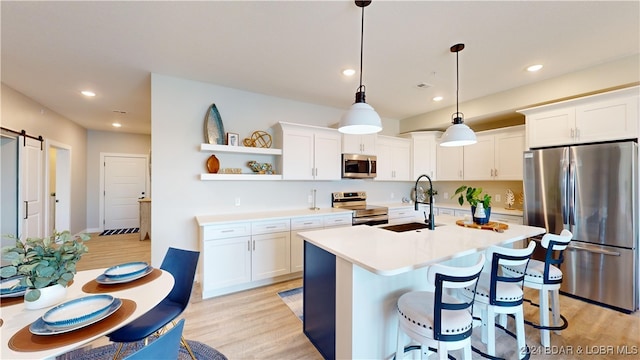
{"x":593,"y":250}
{"x":26,"y":210}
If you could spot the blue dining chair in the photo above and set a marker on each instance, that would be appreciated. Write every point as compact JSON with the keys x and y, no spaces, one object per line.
{"x":165,"y":347}
{"x":182,"y":265}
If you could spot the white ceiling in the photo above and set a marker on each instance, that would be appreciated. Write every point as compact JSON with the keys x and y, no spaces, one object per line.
{"x":297,"y":49}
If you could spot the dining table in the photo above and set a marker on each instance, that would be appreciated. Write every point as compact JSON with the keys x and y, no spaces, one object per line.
{"x":137,"y":297}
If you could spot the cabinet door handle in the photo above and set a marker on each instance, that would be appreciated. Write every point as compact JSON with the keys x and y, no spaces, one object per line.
{"x":460,"y":174}
{"x":495,"y":172}
{"x":572,"y":133}
{"x":227,"y":231}
{"x":491,"y":172}
{"x":254,"y":245}
{"x":577,"y":134}
{"x":248,"y":245}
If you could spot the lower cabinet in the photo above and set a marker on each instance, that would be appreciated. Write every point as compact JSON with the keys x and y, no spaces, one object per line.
{"x":226,"y":262}
{"x":310,"y":223}
{"x":270,"y":255}
{"x":242,"y":255}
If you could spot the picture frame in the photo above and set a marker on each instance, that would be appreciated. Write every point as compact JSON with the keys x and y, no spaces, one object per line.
{"x":233,"y":139}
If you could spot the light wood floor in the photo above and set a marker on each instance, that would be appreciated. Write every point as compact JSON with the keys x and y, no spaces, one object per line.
{"x":256,"y":324}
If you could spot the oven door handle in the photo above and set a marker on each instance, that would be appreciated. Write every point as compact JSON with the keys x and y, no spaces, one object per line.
{"x":364,"y":220}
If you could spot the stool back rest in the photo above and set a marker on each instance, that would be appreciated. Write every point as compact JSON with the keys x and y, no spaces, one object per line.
{"x":449,"y":277}
{"x":555,"y":245}
{"x":510,"y":257}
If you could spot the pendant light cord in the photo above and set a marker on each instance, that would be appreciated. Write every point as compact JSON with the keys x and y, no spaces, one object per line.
{"x":457,"y":82}
{"x":361,"y":47}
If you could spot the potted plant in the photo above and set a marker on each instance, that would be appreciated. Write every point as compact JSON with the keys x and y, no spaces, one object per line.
{"x":473,"y":197}
{"x":44,"y":263}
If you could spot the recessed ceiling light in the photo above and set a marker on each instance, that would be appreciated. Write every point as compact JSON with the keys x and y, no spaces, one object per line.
{"x":534,"y":68}
{"x":348,"y":72}
{"x":438,"y":98}
{"x":88,"y":93}
{"x":116,"y":124}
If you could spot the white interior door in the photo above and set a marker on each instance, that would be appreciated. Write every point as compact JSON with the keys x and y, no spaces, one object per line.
{"x":31,"y":188}
{"x":125,"y":181}
{"x":10,"y":217}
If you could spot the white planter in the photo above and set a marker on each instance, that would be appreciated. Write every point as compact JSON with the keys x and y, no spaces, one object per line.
{"x":49,"y":296}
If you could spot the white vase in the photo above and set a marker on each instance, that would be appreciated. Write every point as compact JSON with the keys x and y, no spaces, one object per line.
{"x":49,"y":296}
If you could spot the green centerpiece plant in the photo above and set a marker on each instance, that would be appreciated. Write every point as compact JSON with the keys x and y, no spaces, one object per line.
{"x":44,"y":261}
{"x":474,"y":196}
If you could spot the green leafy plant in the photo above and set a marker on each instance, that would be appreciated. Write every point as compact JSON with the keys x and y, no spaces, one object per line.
{"x":44,"y":261}
{"x":473,"y":196}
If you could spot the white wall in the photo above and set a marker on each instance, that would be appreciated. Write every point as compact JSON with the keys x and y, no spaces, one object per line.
{"x":22,"y":113}
{"x":178,"y":108}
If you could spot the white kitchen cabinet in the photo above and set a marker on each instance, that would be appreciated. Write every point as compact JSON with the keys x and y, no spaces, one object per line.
{"x":401,"y":215}
{"x":394,"y":159}
{"x":235,"y":254}
{"x":309,"y":152}
{"x":423,"y":153}
{"x":270,"y":255}
{"x":226,"y":255}
{"x":312,"y":223}
{"x":359,"y":144}
{"x":511,"y":219}
{"x":496,"y":156}
{"x":297,"y":244}
{"x":450,"y":162}
{"x":602,"y":117}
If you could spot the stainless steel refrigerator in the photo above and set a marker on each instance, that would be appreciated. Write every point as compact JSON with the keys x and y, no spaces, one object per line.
{"x":592,"y":191}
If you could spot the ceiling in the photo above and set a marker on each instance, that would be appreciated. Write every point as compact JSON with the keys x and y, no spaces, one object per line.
{"x":297,"y":49}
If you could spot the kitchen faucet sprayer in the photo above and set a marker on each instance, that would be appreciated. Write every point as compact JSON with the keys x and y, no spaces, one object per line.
{"x":431,"y":222}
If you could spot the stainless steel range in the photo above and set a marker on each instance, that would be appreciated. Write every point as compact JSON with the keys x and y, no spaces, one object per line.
{"x":363,"y":214}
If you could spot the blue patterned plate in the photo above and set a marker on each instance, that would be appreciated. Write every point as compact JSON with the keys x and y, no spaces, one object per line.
{"x":9,"y":287}
{"x":103,"y":279}
{"x":78,"y":311}
{"x":39,"y":327}
{"x":126,"y":270}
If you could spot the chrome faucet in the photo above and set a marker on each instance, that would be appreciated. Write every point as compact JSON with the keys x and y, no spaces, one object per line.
{"x":432,"y":221}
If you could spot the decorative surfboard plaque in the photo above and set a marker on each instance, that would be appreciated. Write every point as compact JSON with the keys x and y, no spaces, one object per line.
{"x":213,"y":128}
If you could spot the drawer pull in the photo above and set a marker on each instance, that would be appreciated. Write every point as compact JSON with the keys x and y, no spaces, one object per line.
{"x":227,"y":231}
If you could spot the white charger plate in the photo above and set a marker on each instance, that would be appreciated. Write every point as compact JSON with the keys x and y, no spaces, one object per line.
{"x":126,"y":270}
{"x":39,"y":327}
{"x":103,"y":279}
{"x":6,"y":290}
{"x":78,"y":311}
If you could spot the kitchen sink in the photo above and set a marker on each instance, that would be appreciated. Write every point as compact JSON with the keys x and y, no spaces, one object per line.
{"x":408,"y":226}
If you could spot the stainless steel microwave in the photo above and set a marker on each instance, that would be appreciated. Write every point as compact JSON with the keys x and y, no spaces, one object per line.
{"x":356,"y":166}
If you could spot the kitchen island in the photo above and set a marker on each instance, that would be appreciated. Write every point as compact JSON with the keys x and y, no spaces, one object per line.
{"x":354,"y":276}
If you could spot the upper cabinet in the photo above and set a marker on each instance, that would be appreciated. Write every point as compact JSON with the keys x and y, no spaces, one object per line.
{"x":393,"y":158}
{"x":602,"y":117}
{"x":309,"y":152}
{"x":359,"y":144}
{"x":496,"y":156}
{"x":450,"y":162}
{"x":423,"y":153}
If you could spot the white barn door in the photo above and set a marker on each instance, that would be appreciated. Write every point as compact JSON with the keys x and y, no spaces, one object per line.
{"x":31,"y":188}
{"x":125,"y":181}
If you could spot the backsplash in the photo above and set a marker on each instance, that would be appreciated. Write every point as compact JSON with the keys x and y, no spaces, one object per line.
{"x":494,"y":188}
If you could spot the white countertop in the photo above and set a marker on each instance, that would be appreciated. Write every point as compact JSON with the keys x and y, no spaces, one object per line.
{"x":385,"y":252}
{"x":266,"y":215}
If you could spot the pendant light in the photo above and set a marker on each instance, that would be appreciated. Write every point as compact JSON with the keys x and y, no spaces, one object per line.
{"x":458,"y":134}
{"x":360,"y":118}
